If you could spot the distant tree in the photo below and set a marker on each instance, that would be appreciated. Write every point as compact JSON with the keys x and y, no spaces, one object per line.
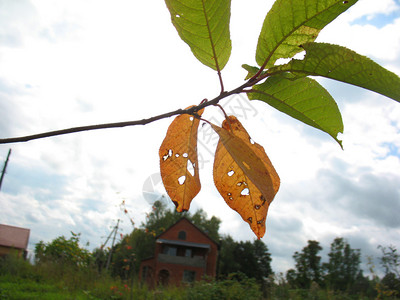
{"x":343,"y":266}
{"x":291,"y":278}
{"x":390,"y":285}
{"x":308,"y":266}
{"x":39,"y":252}
{"x":62,"y":250}
{"x":160,"y":218}
{"x":363,"y":286}
{"x":128,"y":253}
{"x":227,"y":259}
{"x":100,"y":258}
{"x":249,"y":258}
{"x":263,"y":258}
{"x":390,"y":261}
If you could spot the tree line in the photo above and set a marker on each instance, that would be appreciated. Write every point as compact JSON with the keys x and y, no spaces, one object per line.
{"x":341,"y":272}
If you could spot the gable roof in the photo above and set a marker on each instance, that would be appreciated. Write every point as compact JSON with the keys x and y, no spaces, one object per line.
{"x":197,"y":228}
{"x":14,"y":237}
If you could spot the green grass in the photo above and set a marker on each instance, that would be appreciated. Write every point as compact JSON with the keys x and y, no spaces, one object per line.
{"x":29,"y":289}
{"x":20,"y":280}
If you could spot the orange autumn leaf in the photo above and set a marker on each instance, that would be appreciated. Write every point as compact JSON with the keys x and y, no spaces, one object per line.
{"x":244,"y":175}
{"x":179,"y":162}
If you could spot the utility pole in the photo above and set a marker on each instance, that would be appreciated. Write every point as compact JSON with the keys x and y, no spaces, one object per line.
{"x":4,"y":168}
{"x":112,"y":245}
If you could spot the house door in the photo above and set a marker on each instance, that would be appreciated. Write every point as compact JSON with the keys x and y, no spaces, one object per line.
{"x":163,"y":277}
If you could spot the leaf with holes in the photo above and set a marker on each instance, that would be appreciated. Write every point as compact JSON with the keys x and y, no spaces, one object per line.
{"x":179,"y":162}
{"x":204,"y":26}
{"x":244,"y":175}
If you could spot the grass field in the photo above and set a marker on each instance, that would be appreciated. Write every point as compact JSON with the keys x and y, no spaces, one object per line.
{"x":20,"y":280}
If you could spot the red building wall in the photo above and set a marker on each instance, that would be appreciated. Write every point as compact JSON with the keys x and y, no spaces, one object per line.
{"x":160,"y":265}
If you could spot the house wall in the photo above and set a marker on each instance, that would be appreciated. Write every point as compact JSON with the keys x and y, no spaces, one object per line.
{"x":176,"y":273}
{"x":147,"y":272}
{"x":13,"y":239}
{"x":175,"y":266}
{"x":193,"y":235}
{"x":8,"y":250}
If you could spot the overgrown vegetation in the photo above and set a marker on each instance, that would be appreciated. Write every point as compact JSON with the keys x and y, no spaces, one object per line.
{"x":65,"y":270}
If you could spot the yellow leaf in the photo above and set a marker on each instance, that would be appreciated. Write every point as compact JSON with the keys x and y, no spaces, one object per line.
{"x":179,"y":162}
{"x":244,"y":175}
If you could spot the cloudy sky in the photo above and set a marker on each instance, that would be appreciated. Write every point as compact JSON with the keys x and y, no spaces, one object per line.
{"x":73,"y":63}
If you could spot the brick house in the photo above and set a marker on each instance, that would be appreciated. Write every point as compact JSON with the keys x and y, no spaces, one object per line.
{"x":183,"y":253}
{"x":13,"y":239}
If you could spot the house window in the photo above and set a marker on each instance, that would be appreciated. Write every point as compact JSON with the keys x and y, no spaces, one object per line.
{"x":189,"y":276}
{"x":182,"y":235}
{"x":169,"y":250}
{"x":188,"y":252}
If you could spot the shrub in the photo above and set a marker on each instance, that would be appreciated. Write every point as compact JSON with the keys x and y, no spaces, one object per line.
{"x":236,"y":286}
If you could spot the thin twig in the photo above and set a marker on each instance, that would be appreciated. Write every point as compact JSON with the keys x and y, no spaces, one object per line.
{"x":90,"y":127}
{"x":221,"y":82}
{"x":225,"y":115}
{"x":223,"y":110}
{"x":191,"y":111}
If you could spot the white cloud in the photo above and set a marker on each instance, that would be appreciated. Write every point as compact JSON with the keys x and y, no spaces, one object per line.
{"x":369,"y":9}
{"x":381,"y":44}
{"x":71,"y":64}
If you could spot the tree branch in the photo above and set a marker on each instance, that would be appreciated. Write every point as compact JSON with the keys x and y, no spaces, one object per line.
{"x":191,"y":111}
{"x":90,"y":127}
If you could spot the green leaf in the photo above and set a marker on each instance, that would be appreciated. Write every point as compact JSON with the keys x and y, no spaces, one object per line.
{"x":204,"y":26}
{"x":303,"y":99}
{"x":339,"y":63}
{"x":291,"y":23}
{"x":251,"y":70}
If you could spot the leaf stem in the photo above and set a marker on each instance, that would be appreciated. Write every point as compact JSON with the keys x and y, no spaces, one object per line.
{"x":222,"y":109}
{"x":221,"y":82}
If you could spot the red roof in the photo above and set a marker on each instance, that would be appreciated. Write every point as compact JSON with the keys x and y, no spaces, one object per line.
{"x":15,"y":237}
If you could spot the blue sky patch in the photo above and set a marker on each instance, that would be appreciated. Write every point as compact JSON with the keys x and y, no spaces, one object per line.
{"x":378,"y":20}
{"x":393,"y":150}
